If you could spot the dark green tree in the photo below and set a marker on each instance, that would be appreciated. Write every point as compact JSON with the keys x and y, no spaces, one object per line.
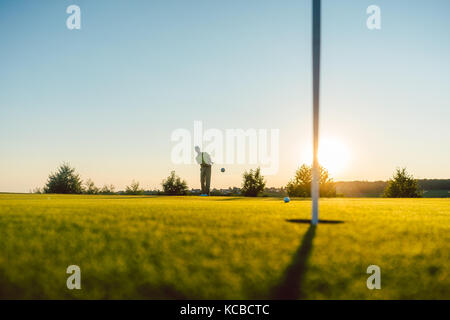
{"x":327,"y":186}
{"x":253,"y":183}
{"x":402,"y":185}
{"x":65,"y":180}
{"x":300,"y":186}
{"x":173,"y":185}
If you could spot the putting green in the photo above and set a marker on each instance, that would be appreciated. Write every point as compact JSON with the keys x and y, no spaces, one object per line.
{"x":222,"y":247}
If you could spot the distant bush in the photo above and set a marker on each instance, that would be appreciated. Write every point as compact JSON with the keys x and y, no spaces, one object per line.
{"x":107,"y":189}
{"x":134,"y":189}
{"x":36,"y":190}
{"x":253,"y":183}
{"x":300,"y":186}
{"x":173,"y":185}
{"x":90,"y":187}
{"x":402,"y":185}
{"x":65,"y":181}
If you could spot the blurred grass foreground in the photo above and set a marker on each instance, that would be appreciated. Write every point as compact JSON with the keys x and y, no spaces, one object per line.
{"x":141,"y":247}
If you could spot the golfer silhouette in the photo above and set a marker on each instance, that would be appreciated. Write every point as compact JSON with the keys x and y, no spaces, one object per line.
{"x":204,"y":160}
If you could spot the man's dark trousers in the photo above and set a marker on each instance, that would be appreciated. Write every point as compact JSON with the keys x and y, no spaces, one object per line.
{"x":205,"y":178}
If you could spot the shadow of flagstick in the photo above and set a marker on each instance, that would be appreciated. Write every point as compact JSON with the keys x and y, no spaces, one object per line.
{"x":292,"y":281}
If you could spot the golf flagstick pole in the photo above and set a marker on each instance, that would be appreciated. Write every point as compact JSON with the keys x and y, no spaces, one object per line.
{"x":316,"y":90}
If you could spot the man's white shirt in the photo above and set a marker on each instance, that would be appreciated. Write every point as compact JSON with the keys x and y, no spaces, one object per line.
{"x":206,"y":158}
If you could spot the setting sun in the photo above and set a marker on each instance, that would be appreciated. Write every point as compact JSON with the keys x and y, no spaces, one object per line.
{"x":333,"y":155}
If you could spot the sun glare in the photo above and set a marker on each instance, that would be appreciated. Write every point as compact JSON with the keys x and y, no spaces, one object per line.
{"x":333,"y":155}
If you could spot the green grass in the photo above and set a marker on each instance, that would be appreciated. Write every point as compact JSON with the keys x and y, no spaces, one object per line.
{"x":224,"y":248}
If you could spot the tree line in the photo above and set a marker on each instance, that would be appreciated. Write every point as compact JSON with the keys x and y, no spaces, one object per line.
{"x":376,"y":188}
{"x":67,"y":181}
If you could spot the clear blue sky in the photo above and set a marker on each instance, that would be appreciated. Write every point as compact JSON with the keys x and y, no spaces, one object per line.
{"x":107,"y":97}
